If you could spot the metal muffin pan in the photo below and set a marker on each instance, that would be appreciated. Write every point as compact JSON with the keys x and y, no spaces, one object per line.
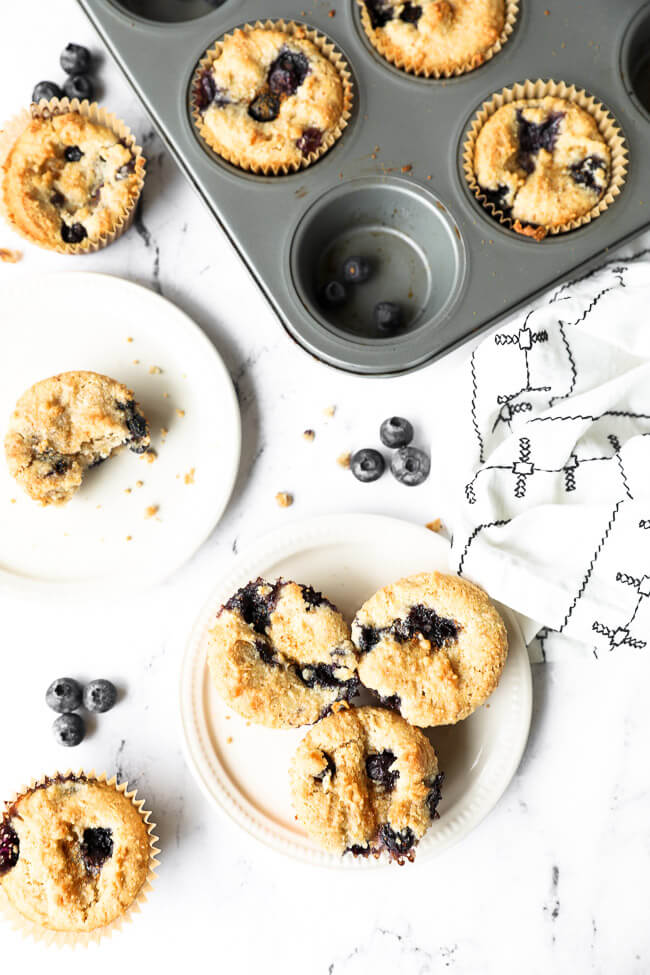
{"x":393,"y":184}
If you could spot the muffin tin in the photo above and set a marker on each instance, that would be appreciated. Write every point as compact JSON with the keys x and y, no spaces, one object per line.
{"x":393,"y":185}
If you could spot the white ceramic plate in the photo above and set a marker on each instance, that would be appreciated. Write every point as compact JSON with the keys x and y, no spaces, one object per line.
{"x":243,"y":768}
{"x":76,"y":320}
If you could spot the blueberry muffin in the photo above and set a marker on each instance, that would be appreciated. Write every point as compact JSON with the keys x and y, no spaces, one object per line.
{"x":68,"y":182}
{"x":74,"y":854}
{"x":269,"y":99}
{"x":431,"y":646}
{"x":541,"y":162}
{"x":63,"y":425}
{"x":434,"y":37}
{"x":364,"y":781}
{"x":280,"y":654}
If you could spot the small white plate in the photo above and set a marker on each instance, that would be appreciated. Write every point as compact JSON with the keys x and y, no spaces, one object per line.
{"x":243,"y":768}
{"x":76,"y":320}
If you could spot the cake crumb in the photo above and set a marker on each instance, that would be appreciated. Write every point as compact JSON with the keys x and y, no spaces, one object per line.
{"x":163,"y":432}
{"x":180,"y":412}
{"x":329,"y":411}
{"x":165,"y":395}
{"x":9,"y":256}
{"x":284,"y":499}
{"x":229,"y":740}
{"x":189,"y":477}
{"x":13,"y":500}
{"x":129,"y":538}
{"x":331,"y":13}
{"x":136,"y":362}
{"x":128,"y":490}
{"x":343,"y":460}
{"x":149,"y":455}
{"x":152,"y":510}
{"x":308,"y":435}
{"x":154,"y":370}
{"x":407,"y":168}
{"x":435,"y":525}
{"x":129,"y":338}
{"x":139,"y":483}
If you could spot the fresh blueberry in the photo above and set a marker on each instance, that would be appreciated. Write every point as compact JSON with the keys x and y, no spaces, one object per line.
{"x":72,"y":153}
{"x":334,"y":293}
{"x":310,"y":140}
{"x":69,"y":730}
{"x":367,"y":465}
{"x":74,"y":233}
{"x":63,"y":695}
{"x":396,"y":432}
{"x":288,"y":72}
{"x":99,"y":695}
{"x":96,"y":848}
{"x":9,"y":848}
{"x":79,"y":86}
{"x":410,"y":466}
{"x":388,"y":317}
{"x":46,"y":90}
{"x":264,"y":108}
{"x":356,"y":270}
{"x":75,"y":59}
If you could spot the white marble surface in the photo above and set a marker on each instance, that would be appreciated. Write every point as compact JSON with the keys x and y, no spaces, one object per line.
{"x":557,"y":879}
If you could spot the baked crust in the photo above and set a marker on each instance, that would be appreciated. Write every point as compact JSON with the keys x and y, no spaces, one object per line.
{"x":432,"y":646}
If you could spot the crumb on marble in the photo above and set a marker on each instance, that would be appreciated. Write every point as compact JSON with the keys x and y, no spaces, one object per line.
{"x":309,"y":435}
{"x":163,"y":432}
{"x":154,"y":370}
{"x":189,"y":477}
{"x":151,"y":510}
{"x":9,"y":256}
{"x":343,"y":460}
{"x":165,"y":395}
{"x":329,"y":411}
{"x":180,"y":412}
{"x":435,"y":525}
{"x":284,"y":499}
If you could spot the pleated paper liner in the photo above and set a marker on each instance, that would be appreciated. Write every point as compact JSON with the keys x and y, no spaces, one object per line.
{"x":522,"y":94}
{"x":15,"y":127}
{"x":326,"y":48}
{"x":418,"y":66}
{"x":30,"y":929}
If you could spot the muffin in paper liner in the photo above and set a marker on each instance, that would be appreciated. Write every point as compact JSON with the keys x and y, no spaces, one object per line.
{"x":15,"y":127}
{"x":31,"y":929}
{"x":418,"y":66}
{"x":534,"y":91}
{"x":325,"y":47}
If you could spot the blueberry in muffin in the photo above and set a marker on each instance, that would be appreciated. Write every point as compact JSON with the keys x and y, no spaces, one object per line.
{"x":65,"y":425}
{"x":270,"y":99}
{"x":280,"y":654}
{"x":74,"y":854}
{"x":363,"y":781}
{"x":431,"y":646}
{"x":67,"y":182}
{"x":541,"y":162}
{"x":434,"y":37}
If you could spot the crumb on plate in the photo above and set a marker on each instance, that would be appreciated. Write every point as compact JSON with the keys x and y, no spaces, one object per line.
{"x":329,"y":411}
{"x":435,"y":525}
{"x":152,"y":510}
{"x":284,"y":499}
{"x":308,"y":435}
{"x":154,"y":370}
{"x":9,"y":256}
{"x":343,"y":460}
{"x":189,"y":477}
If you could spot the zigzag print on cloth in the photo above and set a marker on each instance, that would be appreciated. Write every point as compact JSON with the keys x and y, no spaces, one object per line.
{"x":554,"y":512}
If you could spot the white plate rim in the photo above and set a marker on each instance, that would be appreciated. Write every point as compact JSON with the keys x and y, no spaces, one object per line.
{"x":23,"y":585}
{"x":234,"y":807}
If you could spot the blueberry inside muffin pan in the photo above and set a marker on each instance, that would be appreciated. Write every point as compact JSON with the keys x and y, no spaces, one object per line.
{"x":397,"y":163}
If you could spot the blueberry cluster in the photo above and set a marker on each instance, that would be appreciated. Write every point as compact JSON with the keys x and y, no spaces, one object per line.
{"x":409,"y":465}
{"x":66,"y":696}
{"x":387,"y":315}
{"x":76,"y":62}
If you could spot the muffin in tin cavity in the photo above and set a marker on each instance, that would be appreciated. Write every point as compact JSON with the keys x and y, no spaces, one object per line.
{"x":280,"y":654}
{"x":74,"y":854}
{"x":363,"y":781}
{"x":270,"y":99}
{"x":69,"y":182}
{"x":541,"y":163}
{"x":66,"y":424}
{"x":434,"y":37}
{"x":431,"y":646}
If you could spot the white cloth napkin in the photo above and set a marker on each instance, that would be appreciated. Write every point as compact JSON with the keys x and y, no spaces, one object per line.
{"x":553,"y":509}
